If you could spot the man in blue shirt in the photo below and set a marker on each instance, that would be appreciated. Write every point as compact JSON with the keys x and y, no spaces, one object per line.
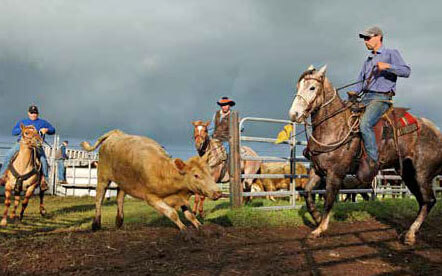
{"x":61,"y":156}
{"x":378,"y":85}
{"x":43,"y":127}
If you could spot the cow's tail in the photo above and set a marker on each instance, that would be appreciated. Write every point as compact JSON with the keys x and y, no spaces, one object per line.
{"x":85,"y":145}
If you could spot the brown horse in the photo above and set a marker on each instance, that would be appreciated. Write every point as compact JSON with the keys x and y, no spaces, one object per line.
{"x":23,"y":173}
{"x":211,"y":150}
{"x":335,"y":143}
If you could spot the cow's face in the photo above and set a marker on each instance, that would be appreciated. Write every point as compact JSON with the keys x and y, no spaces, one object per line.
{"x":197,"y":175}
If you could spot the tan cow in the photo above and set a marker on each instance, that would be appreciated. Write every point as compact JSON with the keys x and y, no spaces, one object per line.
{"x":274,"y":184}
{"x":141,"y":168}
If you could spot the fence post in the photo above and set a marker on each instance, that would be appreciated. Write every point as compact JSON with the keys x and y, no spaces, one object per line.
{"x":52,"y":166}
{"x":235,"y":159}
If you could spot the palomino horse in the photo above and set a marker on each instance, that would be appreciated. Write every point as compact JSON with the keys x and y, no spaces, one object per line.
{"x":23,"y":173}
{"x":334,"y":144}
{"x":210,"y":148}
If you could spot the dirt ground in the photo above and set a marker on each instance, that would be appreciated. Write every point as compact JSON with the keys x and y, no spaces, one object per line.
{"x":359,"y":248}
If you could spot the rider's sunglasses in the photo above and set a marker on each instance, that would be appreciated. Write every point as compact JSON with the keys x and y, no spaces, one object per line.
{"x":33,"y":112}
{"x":367,"y":38}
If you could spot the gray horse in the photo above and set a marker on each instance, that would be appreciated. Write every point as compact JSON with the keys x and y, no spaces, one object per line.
{"x":336,"y":144}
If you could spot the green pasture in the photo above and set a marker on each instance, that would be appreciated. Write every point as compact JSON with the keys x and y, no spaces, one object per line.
{"x":75,"y":213}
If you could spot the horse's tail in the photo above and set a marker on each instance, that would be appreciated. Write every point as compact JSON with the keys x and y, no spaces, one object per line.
{"x":85,"y":145}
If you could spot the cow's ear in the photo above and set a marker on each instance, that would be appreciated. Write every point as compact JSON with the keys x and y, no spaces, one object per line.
{"x":194,"y":123}
{"x":180,"y":165}
{"x":22,"y":126}
{"x":207,"y":123}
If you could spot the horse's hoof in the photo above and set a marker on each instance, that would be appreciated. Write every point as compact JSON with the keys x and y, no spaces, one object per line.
{"x":96,"y":226}
{"x":118,"y":222}
{"x":202,"y":214}
{"x":3,"y":223}
{"x":42,"y":212}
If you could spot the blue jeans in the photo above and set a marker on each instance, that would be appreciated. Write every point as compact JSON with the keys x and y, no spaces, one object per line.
{"x":61,"y":170}
{"x":373,"y":112}
{"x":15,"y":148}
{"x":226,"y":146}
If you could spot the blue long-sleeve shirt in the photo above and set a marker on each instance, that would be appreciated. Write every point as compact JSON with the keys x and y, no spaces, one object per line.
{"x":63,"y":152}
{"x":384,"y":81}
{"x":38,"y":124}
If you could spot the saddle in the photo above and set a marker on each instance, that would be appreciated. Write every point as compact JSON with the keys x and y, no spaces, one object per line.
{"x":218,"y":153}
{"x":394,"y":123}
{"x":18,"y":187}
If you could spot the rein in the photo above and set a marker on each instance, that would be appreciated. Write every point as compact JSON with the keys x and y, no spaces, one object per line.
{"x":353,"y":126}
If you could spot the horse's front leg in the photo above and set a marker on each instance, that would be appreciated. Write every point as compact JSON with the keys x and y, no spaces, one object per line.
{"x":28,"y":194}
{"x":196,"y":202}
{"x":4,"y":221}
{"x":42,"y":207}
{"x":16,"y":203}
{"x":201,"y":207}
{"x":309,"y":202}
{"x":333,"y":183}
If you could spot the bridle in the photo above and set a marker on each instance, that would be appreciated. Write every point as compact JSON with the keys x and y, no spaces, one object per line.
{"x":320,"y":92}
{"x":33,"y":140}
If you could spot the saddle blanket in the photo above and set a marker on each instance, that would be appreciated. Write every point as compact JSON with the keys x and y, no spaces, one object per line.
{"x":405,"y":124}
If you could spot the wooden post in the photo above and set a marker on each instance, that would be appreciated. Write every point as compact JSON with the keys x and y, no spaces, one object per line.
{"x":234,"y":160}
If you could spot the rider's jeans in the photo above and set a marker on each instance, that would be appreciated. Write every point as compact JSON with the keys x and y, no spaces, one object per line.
{"x":61,"y":170}
{"x":15,"y":148}
{"x":226,"y":146}
{"x":373,"y":112}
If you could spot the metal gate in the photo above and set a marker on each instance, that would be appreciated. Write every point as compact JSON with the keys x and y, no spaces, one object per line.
{"x":235,"y":158}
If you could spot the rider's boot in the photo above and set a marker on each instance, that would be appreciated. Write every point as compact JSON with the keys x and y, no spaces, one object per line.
{"x":43,"y":184}
{"x":368,"y":168}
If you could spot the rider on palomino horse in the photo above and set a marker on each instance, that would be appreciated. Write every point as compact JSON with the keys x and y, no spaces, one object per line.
{"x":219,"y":126}
{"x":43,"y":127}
{"x":378,"y":85}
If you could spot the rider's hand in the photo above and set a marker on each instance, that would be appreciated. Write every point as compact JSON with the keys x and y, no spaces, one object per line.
{"x":44,"y":130}
{"x":383,"y":66}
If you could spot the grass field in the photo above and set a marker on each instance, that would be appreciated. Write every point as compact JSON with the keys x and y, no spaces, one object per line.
{"x":76,"y":213}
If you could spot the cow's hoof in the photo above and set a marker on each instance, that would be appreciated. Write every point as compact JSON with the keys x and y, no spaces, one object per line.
{"x":314,"y":234}
{"x":3,"y":223}
{"x":409,"y":239}
{"x":202,"y":214}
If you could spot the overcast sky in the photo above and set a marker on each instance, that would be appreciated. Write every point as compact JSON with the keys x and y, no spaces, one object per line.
{"x":151,"y":67}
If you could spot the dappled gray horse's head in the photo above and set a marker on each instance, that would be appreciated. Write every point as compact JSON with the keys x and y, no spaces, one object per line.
{"x":308,"y":96}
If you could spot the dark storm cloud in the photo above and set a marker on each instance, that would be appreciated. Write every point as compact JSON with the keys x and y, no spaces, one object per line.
{"x":150,"y":67}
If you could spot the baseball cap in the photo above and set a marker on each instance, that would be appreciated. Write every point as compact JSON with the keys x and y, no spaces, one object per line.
{"x":370,"y":32}
{"x":33,"y":109}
